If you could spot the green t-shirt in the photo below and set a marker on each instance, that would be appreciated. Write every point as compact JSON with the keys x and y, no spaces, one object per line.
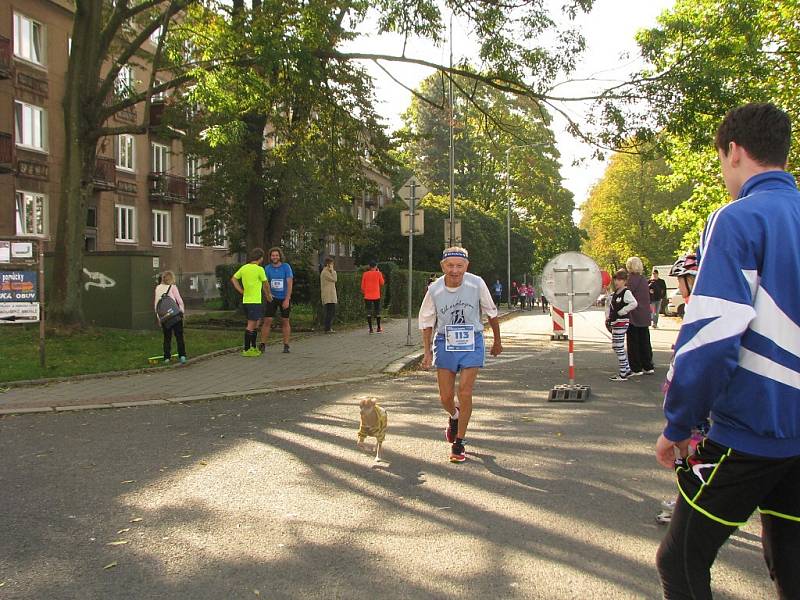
{"x":252,"y":277}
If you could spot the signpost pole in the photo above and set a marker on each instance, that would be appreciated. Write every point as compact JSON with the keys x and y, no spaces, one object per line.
{"x":412,"y":206}
{"x":570,"y":274}
{"x":39,"y":248}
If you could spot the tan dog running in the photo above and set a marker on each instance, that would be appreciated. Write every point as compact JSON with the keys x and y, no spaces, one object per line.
{"x":373,"y":424}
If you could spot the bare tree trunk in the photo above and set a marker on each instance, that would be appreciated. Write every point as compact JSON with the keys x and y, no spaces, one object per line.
{"x":254,"y":198}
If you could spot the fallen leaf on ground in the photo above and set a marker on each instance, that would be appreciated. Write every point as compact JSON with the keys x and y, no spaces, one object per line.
{"x":204,"y":463}
{"x":186,"y":456}
{"x":128,"y":481}
{"x":121,"y":531}
{"x":111,"y":565}
{"x":136,"y":520}
{"x":117,"y":543}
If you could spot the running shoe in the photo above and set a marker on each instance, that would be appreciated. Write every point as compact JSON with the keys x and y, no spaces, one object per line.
{"x":252,"y":352}
{"x":635,"y":374}
{"x":665,"y":516}
{"x":618,"y":378}
{"x":380,"y":329}
{"x":286,"y":348}
{"x":457,"y":452}
{"x":183,"y":360}
{"x":451,"y":431}
{"x":262,"y":347}
{"x":668,"y":504}
{"x":649,"y":371}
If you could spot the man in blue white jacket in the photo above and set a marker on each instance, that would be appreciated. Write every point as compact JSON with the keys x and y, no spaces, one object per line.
{"x":737,"y":362}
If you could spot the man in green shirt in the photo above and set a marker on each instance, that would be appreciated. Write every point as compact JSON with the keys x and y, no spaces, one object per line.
{"x":249,"y":281}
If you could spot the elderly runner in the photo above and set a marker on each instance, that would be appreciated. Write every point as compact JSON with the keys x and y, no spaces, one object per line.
{"x":453,"y":306}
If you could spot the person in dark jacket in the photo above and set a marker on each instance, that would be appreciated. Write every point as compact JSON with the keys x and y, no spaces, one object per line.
{"x":640,"y":352}
{"x":658,"y":291}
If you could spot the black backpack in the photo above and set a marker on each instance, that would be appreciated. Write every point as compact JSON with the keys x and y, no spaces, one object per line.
{"x":167,"y":310}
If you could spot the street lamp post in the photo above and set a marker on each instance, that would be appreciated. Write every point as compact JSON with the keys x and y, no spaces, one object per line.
{"x":508,"y":211}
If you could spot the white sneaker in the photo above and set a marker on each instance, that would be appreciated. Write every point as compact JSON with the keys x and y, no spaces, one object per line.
{"x":649,"y":371}
{"x":618,"y":378}
{"x":635,"y":374}
{"x":668,"y":504}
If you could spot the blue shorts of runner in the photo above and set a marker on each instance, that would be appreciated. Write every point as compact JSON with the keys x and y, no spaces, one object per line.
{"x":455,"y":361}
{"x":253,"y":312}
{"x":273,"y":306}
{"x":727,"y":486}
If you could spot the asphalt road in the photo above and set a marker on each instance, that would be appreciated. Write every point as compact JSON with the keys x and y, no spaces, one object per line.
{"x":268,"y":497}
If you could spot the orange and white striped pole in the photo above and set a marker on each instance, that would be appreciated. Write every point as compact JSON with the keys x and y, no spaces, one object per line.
{"x":557,"y":317}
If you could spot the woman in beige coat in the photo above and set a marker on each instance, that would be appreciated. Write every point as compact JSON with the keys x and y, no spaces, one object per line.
{"x":327,"y":285}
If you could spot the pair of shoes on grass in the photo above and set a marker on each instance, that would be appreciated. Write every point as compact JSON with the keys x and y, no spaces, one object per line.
{"x":252,"y":352}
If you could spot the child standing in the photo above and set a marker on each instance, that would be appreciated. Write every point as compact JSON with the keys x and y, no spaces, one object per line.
{"x":620,"y":304}
{"x":253,"y":280}
{"x":175,"y":325}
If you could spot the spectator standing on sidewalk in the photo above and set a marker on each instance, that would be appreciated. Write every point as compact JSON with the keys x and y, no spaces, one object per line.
{"x":371,"y":283}
{"x":280,"y":277}
{"x":658,"y":291}
{"x":620,"y":304}
{"x":453,"y":306}
{"x":497,"y":291}
{"x":736,"y":362}
{"x":175,"y":325}
{"x":327,"y":286}
{"x":640,"y":352}
{"x":253,"y":284}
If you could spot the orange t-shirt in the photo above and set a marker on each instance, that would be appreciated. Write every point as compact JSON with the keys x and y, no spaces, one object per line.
{"x":371,"y":282}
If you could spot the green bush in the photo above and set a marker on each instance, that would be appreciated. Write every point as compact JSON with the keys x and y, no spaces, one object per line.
{"x":399,"y":291}
{"x":231,"y":299}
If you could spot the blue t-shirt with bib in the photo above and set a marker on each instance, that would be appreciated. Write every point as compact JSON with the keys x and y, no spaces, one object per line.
{"x":277,"y":277}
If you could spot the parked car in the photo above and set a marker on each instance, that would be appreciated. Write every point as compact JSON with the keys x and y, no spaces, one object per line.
{"x":676,"y":305}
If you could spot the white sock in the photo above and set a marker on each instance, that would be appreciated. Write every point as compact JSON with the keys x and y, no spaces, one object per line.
{"x":455,"y":416}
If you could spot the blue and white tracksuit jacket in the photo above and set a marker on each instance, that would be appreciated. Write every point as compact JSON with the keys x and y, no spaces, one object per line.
{"x":737,"y":357}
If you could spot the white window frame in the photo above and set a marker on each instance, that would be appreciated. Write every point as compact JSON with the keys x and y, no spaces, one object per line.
{"x":156,"y":35}
{"x":160,"y":96}
{"x":162,"y":228}
{"x":124,"y":218}
{"x":33,"y":205}
{"x":25,"y":40}
{"x":125,"y":84}
{"x":191,"y":167}
{"x":159,"y":159}
{"x":30,"y":126}
{"x":194,"y":227}
{"x":126,"y":152}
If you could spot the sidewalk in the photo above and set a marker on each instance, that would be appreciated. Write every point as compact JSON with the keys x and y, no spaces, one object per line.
{"x":342,"y":357}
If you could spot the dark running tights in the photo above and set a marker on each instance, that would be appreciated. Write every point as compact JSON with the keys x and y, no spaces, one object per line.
{"x":691,"y":544}
{"x":177,"y":329}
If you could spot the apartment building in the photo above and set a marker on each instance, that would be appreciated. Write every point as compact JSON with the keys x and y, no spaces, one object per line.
{"x":145,"y":186}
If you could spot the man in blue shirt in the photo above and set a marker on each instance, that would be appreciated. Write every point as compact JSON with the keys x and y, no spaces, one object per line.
{"x":737,"y":362}
{"x":280,"y":277}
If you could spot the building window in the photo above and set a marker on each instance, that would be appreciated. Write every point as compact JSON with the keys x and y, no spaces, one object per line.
{"x":31,"y":213}
{"x":29,"y":39}
{"x":156,"y":35}
{"x":124,"y":84}
{"x":159,"y":96}
{"x":125,"y":152}
{"x":162,"y":234}
{"x":91,"y":216}
{"x":331,"y":247}
{"x":192,"y":167}
{"x":124,"y":223}
{"x":30,"y":126}
{"x":160,"y":162}
{"x":360,"y":212}
{"x":194,"y":227}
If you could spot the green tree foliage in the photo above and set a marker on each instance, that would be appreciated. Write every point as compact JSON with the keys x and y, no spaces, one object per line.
{"x":493,"y":131}
{"x":483,"y":234}
{"x":709,"y":56}
{"x":619,"y":213}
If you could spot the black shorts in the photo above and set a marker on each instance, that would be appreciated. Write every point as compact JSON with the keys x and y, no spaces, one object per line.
{"x":273,"y":306}
{"x":373,"y":307}
{"x":253,"y":312}
{"x":727,"y":486}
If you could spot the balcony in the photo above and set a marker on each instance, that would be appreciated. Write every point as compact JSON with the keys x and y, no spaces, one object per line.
{"x":105,"y":174}
{"x":168,"y":188}
{"x":6,"y":153}
{"x":194,"y":188}
{"x":157,"y":107}
{"x":5,"y":58}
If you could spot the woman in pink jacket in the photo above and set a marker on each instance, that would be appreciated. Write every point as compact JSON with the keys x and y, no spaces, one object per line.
{"x":168,"y":287}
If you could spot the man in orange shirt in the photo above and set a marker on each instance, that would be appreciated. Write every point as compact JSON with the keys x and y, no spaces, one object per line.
{"x":371,"y":283}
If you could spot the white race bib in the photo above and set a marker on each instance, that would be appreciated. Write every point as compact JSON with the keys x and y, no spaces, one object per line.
{"x":459,"y":338}
{"x":276,"y":284}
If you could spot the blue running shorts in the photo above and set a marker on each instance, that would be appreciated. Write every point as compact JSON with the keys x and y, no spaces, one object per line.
{"x":456,"y":360}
